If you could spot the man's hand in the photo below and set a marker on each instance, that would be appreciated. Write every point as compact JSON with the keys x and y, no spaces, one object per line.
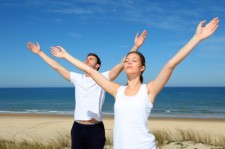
{"x":35,"y":48}
{"x":138,"y":41}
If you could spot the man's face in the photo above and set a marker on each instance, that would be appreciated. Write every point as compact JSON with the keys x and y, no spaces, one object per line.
{"x":92,"y":62}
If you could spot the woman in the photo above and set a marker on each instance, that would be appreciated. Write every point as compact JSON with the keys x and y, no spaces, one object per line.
{"x":133,"y":102}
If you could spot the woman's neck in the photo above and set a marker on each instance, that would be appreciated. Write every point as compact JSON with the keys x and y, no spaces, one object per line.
{"x":133,"y":83}
{"x":133,"y":87}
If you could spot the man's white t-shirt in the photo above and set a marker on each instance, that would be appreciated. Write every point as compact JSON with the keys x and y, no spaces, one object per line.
{"x":89,"y":97}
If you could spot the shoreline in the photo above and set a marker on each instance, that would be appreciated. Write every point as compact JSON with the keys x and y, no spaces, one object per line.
{"x":112,"y":115}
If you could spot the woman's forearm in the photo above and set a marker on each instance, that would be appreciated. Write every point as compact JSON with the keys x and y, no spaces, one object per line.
{"x":183,"y":52}
{"x":77,"y":63}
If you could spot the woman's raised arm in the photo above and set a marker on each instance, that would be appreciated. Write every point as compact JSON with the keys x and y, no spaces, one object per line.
{"x":202,"y":32}
{"x":107,"y":85}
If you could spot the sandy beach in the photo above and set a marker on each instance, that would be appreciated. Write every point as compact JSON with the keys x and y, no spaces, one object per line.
{"x":30,"y":127}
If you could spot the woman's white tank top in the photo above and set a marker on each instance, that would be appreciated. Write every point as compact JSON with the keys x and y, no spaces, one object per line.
{"x":131,"y":118}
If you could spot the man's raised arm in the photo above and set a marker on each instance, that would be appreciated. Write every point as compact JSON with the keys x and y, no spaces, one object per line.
{"x":138,"y":41}
{"x":35,"y":48}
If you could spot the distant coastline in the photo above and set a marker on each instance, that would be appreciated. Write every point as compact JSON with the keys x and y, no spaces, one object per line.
{"x":172,"y":102}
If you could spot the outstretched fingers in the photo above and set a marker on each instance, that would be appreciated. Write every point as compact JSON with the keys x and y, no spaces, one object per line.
{"x":205,"y":31}
{"x":37,"y":44}
{"x":60,"y":48}
{"x":213,"y":25}
{"x":28,"y":45}
{"x":54,"y":51}
{"x":136,"y":36}
{"x":34,"y":47}
{"x":144,"y":33}
{"x":212,"y":22}
{"x":57,"y":52}
{"x":31,"y":45}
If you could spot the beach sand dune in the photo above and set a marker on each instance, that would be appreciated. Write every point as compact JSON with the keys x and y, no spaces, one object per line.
{"x":43,"y":127}
{"x":18,"y":127}
{"x":214,"y":127}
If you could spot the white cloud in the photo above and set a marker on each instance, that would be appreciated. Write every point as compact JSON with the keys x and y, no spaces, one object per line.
{"x":76,"y":11}
{"x":172,"y":15}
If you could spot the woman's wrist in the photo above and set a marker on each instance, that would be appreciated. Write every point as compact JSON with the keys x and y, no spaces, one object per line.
{"x":196,"y":38}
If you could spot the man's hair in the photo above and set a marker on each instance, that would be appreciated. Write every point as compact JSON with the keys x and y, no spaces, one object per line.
{"x":98,"y":59}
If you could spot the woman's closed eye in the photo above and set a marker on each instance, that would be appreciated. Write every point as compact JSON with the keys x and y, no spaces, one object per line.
{"x":130,"y":60}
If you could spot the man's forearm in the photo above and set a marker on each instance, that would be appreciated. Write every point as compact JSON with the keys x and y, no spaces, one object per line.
{"x":134,"y":48}
{"x":115,"y":71}
{"x":51,"y":62}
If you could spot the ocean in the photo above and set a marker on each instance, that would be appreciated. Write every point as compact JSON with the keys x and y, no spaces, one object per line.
{"x":181,"y":102}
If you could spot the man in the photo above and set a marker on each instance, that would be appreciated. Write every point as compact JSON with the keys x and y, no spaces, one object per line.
{"x":88,"y":130}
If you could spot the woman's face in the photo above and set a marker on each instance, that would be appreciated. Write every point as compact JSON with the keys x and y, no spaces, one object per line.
{"x":133,"y":64}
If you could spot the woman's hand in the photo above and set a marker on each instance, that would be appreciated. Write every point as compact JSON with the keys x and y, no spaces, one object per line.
{"x":203,"y":32}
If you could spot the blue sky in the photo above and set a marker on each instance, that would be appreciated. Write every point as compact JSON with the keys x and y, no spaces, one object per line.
{"x":108,"y":28}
